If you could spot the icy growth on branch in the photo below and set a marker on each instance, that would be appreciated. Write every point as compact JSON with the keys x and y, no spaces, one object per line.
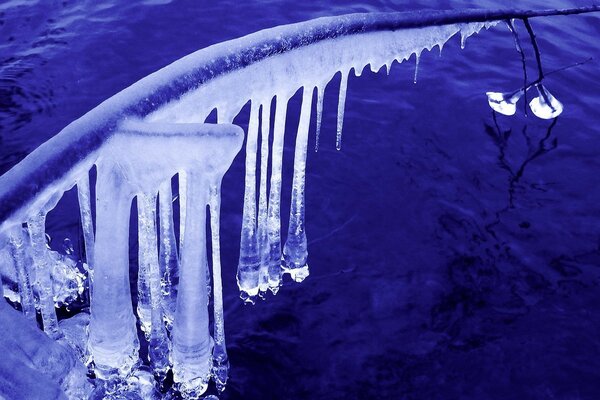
{"x":545,"y":106}
{"x":504,"y":103}
{"x":152,"y":132}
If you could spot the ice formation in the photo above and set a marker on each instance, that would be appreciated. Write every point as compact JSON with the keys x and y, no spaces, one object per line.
{"x":151,"y":138}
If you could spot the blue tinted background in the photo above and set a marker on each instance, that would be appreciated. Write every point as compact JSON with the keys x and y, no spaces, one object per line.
{"x":436,"y":273}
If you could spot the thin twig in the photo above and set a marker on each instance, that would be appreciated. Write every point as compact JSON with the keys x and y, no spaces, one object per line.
{"x":513,"y":29}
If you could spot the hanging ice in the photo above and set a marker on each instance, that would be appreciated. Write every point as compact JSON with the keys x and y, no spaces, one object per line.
{"x":152,"y":135}
{"x":504,"y":103}
{"x":545,"y":105}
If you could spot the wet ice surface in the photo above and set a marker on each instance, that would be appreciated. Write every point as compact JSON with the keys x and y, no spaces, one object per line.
{"x":449,"y":258}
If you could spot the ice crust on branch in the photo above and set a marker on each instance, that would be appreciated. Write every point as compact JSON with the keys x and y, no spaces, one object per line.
{"x":147,"y":146}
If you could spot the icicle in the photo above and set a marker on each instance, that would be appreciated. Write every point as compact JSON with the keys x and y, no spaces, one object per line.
{"x":388,"y":68}
{"x":113,"y":339}
{"x":261,"y":232}
{"x":320,"y":93}
{"x":144,"y":308}
{"x":182,"y":206}
{"x":158,"y":344}
{"x":295,"y":252}
{"x":85,"y":212}
{"x":42,"y":281}
{"x":274,"y":212}
{"x":192,"y":344}
{"x":169,"y":261}
{"x":249,"y":262}
{"x":220,"y":367}
{"x":417,"y":58}
{"x":340,"y":111}
{"x":18,"y":243}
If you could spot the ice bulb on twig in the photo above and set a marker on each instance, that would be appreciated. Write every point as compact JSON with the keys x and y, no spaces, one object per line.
{"x":545,"y":106}
{"x":504,"y":103}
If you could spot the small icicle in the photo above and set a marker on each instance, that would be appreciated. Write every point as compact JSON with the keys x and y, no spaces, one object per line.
{"x":169,"y":261}
{"x":158,"y":343}
{"x":388,"y":68}
{"x":249,"y":262}
{"x":85,"y":213}
{"x":320,"y":93}
{"x":417,"y":58}
{"x":274,"y":212}
{"x":263,"y":243}
{"x":182,"y":206}
{"x":463,"y":39}
{"x":220,"y":368}
{"x":18,"y":243}
{"x":42,"y":281}
{"x":295,"y":253}
{"x":340,"y":113}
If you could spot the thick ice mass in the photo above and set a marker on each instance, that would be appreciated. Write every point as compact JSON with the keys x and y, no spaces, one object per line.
{"x":150,"y":146}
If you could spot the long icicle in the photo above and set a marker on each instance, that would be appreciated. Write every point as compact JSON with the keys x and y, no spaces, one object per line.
{"x":320,"y":93}
{"x":41,"y":271}
{"x":144,"y":307}
{"x":169,"y":261}
{"x":263,"y":243}
{"x":220,"y":369}
{"x":192,"y":344}
{"x":112,"y":340}
{"x":249,"y":262}
{"x":274,"y":210}
{"x":340,"y":110}
{"x":158,"y":343}
{"x":295,"y":253}
{"x":182,"y":206}
{"x":18,"y":243}
{"x":85,"y":213}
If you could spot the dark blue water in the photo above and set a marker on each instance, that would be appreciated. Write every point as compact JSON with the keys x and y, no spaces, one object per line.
{"x":454,"y":254}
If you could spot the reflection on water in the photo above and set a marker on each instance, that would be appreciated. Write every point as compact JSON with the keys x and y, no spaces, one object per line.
{"x":454,"y":252}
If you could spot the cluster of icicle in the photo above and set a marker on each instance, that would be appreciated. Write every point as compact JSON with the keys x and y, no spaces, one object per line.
{"x":141,"y":160}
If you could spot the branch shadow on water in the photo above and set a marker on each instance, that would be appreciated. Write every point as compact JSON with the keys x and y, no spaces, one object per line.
{"x":516,"y":170}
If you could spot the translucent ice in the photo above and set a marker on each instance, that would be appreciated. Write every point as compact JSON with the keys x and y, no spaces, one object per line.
{"x":504,"y":103}
{"x":544,"y":105}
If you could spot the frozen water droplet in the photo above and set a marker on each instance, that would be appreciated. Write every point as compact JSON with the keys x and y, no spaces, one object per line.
{"x":545,"y":106}
{"x":504,"y":103}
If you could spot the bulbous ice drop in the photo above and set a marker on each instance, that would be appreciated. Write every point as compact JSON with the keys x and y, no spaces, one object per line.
{"x":504,"y":103}
{"x":295,"y":253}
{"x":545,"y":106}
{"x":249,"y":261}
